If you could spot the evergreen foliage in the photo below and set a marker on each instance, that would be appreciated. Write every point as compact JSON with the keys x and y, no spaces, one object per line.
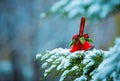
{"x":91,"y":9}
{"x":109,"y":69}
{"x":78,"y":65}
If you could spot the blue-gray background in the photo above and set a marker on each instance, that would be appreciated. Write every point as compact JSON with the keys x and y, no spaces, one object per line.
{"x":23,"y":34}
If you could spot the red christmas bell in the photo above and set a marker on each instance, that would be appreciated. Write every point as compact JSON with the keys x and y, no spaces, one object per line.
{"x":81,"y":41}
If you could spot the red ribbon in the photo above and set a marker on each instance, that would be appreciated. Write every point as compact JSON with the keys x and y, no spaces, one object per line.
{"x":82,"y":25}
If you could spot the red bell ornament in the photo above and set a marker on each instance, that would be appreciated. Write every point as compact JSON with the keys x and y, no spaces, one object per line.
{"x":81,"y":41}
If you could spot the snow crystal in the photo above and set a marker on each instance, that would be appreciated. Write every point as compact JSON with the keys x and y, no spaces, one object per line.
{"x":51,"y":59}
{"x":105,"y":10}
{"x":94,"y":9}
{"x":75,"y":54}
{"x":55,"y":54}
{"x":113,"y":74}
{"x":45,"y":57}
{"x":72,"y":5}
{"x":117,"y":41}
{"x":57,"y":5}
{"x":89,"y":56}
{"x":67,"y":63}
{"x":60,"y":66}
{"x":60,"y":51}
{"x":64,"y":74}
{"x":57,"y":61}
{"x":64,"y":52}
{"x":76,"y":11}
{"x":38,"y":56}
{"x":55,"y":50}
{"x":107,"y":61}
{"x":49,"y":70}
{"x":86,"y":68}
{"x":82,"y":78}
{"x":93,"y":72}
{"x":90,"y":64}
{"x":64,"y":64}
{"x":44,"y":65}
{"x":74,"y":68}
{"x":107,"y":71}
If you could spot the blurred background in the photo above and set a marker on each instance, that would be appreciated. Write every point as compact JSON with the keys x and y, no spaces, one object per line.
{"x":24,"y":31}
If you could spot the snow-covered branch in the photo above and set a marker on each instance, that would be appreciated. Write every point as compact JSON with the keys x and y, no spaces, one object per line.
{"x":109,"y":69}
{"x":78,"y":65}
{"x":92,"y":9}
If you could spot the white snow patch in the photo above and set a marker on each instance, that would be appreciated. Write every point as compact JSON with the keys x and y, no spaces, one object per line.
{"x":64,"y":74}
{"x":82,"y":78}
{"x":44,"y":65}
{"x":94,"y":9}
{"x":58,"y":5}
{"x":38,"y":56}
